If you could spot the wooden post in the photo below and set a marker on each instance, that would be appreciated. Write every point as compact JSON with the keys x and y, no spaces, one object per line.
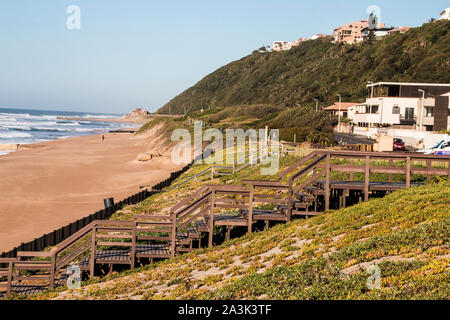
{"x":367,"y":179}
{"x":429,"y":168}
{"x":228,"y":234}
{"x":211,"y":218}
{"x":327,"y":182}
{"x":250,"y":209}
{"x":93,"y":246}
{"x":173,"y":235}
{"x":52,"y":272}
{"x":133,"y":245}
{"x":289,"y":204}
{"x":391,"y":165}
{"x":408,"y":171}
{"x":10,"y":272}
{"x":449,"y":170}
{"x":352,"y":162}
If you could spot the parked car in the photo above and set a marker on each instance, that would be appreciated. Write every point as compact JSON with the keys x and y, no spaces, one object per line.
{"x":399,"y":145}
{"x":444,"y":149}
{"x":433,"y":149}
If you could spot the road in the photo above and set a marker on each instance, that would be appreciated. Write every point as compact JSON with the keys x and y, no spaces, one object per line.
{"x":352,"y":139}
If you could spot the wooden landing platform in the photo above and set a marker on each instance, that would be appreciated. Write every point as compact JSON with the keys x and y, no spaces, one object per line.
{"x":152,"y":251}
{"x":31,"y":289}
{"x":359,"y":185}
{"x":124,"y":257}
{"x":265,"y":215}
{"x":228,"y":220}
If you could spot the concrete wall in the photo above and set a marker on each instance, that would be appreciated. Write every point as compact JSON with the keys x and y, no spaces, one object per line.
{"x":412,"y":138}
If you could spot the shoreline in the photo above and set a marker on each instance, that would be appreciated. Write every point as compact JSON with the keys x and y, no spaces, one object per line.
{"x":13,"y":147}
{"x":115,"y":120}
{"x":50,"y":184}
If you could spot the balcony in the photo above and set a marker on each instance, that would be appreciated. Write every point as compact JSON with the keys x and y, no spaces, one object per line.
{"x":408,"y":120}
{"x":366,"y":118}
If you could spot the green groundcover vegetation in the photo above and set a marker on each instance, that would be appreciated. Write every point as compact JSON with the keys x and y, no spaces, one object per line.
{"x":406,"y":234}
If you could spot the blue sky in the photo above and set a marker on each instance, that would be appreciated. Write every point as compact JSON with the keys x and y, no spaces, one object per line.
{"x":139,"y":53}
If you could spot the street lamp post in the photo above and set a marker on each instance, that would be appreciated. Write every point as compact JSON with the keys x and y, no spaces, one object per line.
{"x":421,"y":109}
{"x":339,"y":113}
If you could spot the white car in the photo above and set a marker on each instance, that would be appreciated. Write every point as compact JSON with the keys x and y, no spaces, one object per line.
{"x":444,"y":149}
{"x":433,"y":149}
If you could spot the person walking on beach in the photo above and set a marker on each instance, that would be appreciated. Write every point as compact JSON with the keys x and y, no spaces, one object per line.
{"x":103,"y":138}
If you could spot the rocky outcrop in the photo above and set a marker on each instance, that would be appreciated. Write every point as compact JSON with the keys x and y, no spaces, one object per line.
{"x":136,"y":115}
{"x":147,"y":156}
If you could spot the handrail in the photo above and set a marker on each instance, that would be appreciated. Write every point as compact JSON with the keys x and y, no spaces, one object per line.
{"x":307,"y":169}
{"x":285,"y":172}
{"x":213,"y":167}
{"x":75,"y":237}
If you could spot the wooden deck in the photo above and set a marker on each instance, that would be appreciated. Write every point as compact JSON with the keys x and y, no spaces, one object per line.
{"x":360,"y":185}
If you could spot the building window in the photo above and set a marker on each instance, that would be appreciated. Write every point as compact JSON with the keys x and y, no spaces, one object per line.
{"x":374,"y":110}
{"x":429,"y":112}
{"x":396,"y":110}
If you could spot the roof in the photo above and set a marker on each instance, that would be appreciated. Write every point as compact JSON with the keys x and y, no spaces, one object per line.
{"x":408,"y":84}
{"x":344,"y":106}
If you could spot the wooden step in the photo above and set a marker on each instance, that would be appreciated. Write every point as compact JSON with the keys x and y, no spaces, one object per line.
{"x":228,"y":220}
{"x":305,"y":213}
{"x":314,"y":191}
{"x":184,"y":249}
{"x":265,"y":215}
{"x":201,"y":226}
{"x":193,"y":233}
{"x":305,"y":197}
{"x":183,"y":239}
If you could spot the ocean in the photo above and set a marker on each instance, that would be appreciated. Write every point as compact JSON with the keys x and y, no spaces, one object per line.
{"x":21,"y":126}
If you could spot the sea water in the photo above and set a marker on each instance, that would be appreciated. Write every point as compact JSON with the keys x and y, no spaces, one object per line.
{"x":21,"y":126}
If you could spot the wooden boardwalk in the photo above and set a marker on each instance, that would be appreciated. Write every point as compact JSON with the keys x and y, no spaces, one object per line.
{"x":303,"y":190}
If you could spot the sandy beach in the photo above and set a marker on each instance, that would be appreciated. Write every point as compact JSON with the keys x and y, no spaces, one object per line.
{"x":45,"y":186}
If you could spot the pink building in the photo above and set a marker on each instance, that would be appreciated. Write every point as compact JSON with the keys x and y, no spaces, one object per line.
{"x":351,"y":33}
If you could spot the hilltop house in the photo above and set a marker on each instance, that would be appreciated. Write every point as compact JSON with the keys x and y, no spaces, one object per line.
{"x":445,"y":15}
{"x":345,"y":109}
{"x":378,"y":32}
{"x":423,"y":106}
{"x":286,"y":45}
{"x":281,"y":45}
{"x":352,"y":32}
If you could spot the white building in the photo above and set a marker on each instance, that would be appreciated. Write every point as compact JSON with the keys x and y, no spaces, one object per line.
{"x":423,"y":106}
{"x":445,"y":15}
{"x":282,"y":45}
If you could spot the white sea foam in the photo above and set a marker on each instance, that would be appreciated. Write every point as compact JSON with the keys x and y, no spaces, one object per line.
{"x":34,"y":126}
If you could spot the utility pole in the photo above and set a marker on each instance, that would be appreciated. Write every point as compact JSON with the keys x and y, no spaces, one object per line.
{"x":370,"y":106}
{"x":421,"y":109}
{"x":339,"y":113}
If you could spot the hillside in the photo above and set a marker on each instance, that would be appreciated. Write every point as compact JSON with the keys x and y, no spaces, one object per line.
{"x":406,"y":234}
{"x":321,"y":69}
